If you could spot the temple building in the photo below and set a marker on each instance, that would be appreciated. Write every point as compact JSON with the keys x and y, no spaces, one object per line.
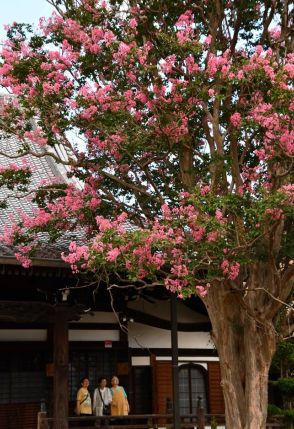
{"x":54,"y":331}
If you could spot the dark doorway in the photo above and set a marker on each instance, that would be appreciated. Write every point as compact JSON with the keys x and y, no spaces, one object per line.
{"x":142,"y":380}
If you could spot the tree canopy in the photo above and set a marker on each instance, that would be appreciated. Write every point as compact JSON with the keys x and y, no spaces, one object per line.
{"x":177,"y":119}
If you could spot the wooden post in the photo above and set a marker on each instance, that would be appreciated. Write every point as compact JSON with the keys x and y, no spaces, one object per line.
{"x":60,"y":389}
{"x":175,"y":368}
{"x":42,"y":423}
{"x":200,"y":414}
{"x":154,"y":384}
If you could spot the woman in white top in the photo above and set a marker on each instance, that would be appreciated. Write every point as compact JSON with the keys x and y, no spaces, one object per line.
{"x":102,"y":397}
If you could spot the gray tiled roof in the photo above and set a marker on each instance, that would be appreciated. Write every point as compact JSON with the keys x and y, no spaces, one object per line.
{"x":43,"y":168}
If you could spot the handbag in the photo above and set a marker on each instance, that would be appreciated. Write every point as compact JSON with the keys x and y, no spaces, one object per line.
{"x":106,"y":408}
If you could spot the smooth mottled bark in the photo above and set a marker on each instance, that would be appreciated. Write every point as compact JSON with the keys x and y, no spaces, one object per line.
{"x":245,"y":338}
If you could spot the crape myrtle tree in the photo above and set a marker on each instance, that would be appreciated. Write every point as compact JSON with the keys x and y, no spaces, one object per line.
{"x":178,"y":120}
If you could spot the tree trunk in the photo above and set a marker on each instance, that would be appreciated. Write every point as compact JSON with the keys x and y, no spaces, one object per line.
{"x":246,"y":342}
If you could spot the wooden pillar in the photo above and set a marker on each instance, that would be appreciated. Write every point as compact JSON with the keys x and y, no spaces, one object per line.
{"x":175,"y":359}
{"x":60,"y":358}
{"x":154,"y":384}
{"x":42,"y":423}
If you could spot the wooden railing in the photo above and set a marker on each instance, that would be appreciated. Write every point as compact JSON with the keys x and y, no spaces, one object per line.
{"x":146,"y":421}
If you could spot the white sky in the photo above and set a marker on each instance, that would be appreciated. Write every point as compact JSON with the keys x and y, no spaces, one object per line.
{"x":23,"y":11}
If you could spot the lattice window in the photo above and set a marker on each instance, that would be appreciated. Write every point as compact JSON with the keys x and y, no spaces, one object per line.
{"x":93,"y":365}
{"x":192,"y":384}
{"x":22,"y":378}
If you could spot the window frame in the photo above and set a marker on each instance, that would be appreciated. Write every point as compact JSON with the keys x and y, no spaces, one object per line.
{"x":190,"y":366}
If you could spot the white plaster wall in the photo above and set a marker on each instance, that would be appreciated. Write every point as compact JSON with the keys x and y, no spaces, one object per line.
{"x":147,"y":336}
{"x":145,"y":361}
{"x":93,"y":335}
{"x":98,"y":317}
{"x":189,"y":359}
{"x":23,"y":334}
{"x":203,"y":364}
{"x":140,"y":361}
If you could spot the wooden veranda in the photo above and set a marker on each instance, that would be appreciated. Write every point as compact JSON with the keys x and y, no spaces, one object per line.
{"x":148,"y":421}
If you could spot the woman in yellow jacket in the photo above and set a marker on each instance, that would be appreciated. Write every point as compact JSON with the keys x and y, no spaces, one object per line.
{"x":119,"y":404}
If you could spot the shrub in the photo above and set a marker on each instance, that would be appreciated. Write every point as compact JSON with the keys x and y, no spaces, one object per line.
{"x":285,"y":386}
{"x":273,"y":410}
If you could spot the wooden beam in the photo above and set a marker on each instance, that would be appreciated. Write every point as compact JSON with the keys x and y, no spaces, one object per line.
{"x":35,"y":312}
{"x":182,"y":352}
{"x":147,"y":319}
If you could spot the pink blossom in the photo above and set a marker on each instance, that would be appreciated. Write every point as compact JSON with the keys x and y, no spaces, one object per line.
{"x":185,"y":25}
{"x":289,"y":191}
{"x":219,"y":215}
{"x":103,"y":224}
{"x":168,"y":64}
{"x":133,"y":23}
{"x":205,"y":190}
{"x":36,"y":136}
{"x":78,"y":254}
{"x":13,"y":166}
{"x":289,"y":68}
{"x":201,"y":290}
{"x":275,"y":33}
{"x":212,"y":236}
{"x":259,"y":49}
{"x":208,"y":39}
{"x":109,"y":37}
{"x":25,"y":261}
{"x":175,"y":285}
{"x":197,"y":232}
{"x":113,"y":254}
{"x":123,"y":51}
{"x":191,"y":66}
{"x":231,"y":270}
{"x":166,"y":211}
{"x":274,"y":214}
{"x":235,"y":119}
{"x":260,"y":154}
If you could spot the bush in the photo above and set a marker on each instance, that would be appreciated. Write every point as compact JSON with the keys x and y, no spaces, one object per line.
{"x":289,"y":415}
{"x":273,"y":410}
{"x":213,"y":423}
{"x":285,"y":386}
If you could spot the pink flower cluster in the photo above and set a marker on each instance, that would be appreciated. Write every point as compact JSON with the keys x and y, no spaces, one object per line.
{"x":14,"y":167}
{"x":278,"y":130}
{"x":231,"y":270}
{"x":219,"y":63}
{"x":185,"y":27}
{"x":235,"y":119}
{"x":202,"y":290}
{"x":78,"y":254}
{"x":288,"y":190}
{"x":274,"y":214}
{"x":37,"y":136}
